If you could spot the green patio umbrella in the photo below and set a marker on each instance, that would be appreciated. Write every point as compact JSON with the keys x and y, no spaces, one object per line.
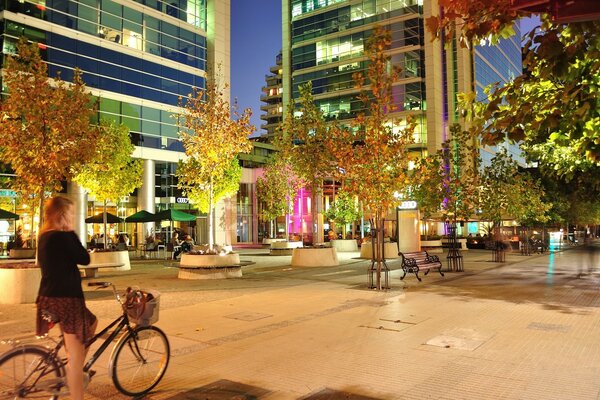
{"x":5,"y":215}
{"x":174,"y":215}
{"x":99,"y":219}
{"x":142,"y":216}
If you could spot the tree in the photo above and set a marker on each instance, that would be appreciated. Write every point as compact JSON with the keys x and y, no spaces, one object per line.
{"x":551,"y":110}
{"x":459,"y":157}
{"x":374,"y":153}
{"x":212,"y":140}
{"x":277,"y":189}
{"x":304,"y":142}
{"x":112,"y":173}
{"x":427,"y":188}
{"x":46,"y":130}
{"x":506,"y":192}
{"x":224,"y":186}
{"x":343,"y":211}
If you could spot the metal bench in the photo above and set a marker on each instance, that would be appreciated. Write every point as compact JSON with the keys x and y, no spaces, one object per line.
{"x":419,"y":260}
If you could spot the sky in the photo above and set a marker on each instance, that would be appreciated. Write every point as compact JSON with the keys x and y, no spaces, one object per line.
{"x":255,"y":42}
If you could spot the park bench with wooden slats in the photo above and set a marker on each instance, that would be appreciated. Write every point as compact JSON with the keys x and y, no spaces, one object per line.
{"x":414,"y":262}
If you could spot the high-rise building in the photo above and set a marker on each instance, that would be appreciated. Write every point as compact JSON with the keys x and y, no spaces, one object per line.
{"x":138,"y":57}
{"x":272,"y":98}
{"x":324,"y":42}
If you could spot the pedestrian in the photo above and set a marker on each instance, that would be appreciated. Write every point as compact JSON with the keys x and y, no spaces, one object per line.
{"x":60,"y":293}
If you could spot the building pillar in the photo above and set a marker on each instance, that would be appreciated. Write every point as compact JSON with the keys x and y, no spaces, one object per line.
{"x":409,"y":232}
{"x":146,"y":199}
{"x":79,"y":196}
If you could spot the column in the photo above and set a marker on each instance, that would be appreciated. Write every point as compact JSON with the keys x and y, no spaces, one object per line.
{"x":146,"y":199}
{"x":79,"y":197}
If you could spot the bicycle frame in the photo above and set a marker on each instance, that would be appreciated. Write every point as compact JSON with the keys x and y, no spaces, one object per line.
{"x":121,"y":322}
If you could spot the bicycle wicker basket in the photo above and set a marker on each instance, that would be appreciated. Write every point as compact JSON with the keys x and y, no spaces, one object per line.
{"x":142,"y":306}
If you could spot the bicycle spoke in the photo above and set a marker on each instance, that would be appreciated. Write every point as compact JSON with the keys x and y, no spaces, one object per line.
{"x":140,"y":361}
{"x":28,"y":372}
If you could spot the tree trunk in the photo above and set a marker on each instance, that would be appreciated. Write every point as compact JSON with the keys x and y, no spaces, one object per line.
{"x":378,"y":246}
{"x":211,"y":216}
{"x":104,"y":221}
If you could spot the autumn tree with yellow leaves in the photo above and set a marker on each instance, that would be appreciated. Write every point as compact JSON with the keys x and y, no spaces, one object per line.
{"x":213,"y":135}
{"x":45,"y":126}
{"x":374,"y":152}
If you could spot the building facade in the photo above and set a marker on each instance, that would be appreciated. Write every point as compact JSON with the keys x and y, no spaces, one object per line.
{"x":272,"y":97}
{"x":138,"y":57}
{"x":324,"y":42}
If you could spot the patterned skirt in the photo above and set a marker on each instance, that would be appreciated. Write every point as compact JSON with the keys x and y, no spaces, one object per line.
{"x":72,"y":314}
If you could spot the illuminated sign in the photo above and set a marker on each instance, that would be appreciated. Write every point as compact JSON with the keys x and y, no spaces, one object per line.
{"x":408,"y":205}
{"x":182,"y":200}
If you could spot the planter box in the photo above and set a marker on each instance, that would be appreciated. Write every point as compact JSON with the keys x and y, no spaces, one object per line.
{"x":21,"y":253}
{"x":284,"y":248}
{"x":390,"y":250}
{"x":345,"y":245}
{"x":315,"y":257}
{"x":273,"y":240}
{"x":19,"y":285}
{"x":112,"y":257}
{"x":209,"y":266}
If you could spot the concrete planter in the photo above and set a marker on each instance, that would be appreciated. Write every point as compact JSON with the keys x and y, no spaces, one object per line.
{"x":111,"y":257}
{"x":315,"y":257}
{"x":268,"y":241}
{"x":210,"y":266}
{"x":21,"y":253}
{"x":284,"y":248}
{"x":345,"y":245}
{"x":19,"y":284}
{"x":390,"y":250}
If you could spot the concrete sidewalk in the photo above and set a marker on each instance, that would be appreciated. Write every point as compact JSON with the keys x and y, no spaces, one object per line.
{"x":524,"y":329}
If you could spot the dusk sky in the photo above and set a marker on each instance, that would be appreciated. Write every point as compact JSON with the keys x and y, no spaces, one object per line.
{"x":255,"y":42}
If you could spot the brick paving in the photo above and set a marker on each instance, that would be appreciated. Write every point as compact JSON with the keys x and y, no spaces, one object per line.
{"x":524,"y":329}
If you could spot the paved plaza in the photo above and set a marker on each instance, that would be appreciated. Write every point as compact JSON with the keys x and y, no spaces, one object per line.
{"x":524,"y":329}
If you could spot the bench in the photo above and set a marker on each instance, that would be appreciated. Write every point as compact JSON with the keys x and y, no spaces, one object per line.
{"x":417,"y":261}
{"x":90,"y":270}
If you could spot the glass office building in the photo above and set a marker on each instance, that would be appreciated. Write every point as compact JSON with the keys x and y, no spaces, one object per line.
{"x":138,"y":57}
{"x":324,"y":42}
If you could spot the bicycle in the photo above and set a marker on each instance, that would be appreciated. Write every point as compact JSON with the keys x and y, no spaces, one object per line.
{"x":137,"y":363}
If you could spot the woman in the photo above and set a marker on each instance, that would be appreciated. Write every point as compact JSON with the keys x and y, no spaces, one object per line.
{"x":60,"y":294}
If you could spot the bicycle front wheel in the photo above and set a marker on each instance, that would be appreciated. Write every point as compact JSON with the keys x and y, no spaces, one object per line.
{"x":30,"y":372}
{"x":139,"y":360}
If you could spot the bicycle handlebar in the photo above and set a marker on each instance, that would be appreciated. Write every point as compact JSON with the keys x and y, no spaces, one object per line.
{"x":103,"y":285}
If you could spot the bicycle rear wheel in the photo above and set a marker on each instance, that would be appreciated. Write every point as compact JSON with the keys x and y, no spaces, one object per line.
{"x":29,"y":372}
{"x":139,"y":360}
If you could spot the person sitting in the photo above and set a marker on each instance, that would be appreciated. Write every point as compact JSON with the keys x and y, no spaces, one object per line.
{"x":176,"y":242}
{"x":187,"y":245}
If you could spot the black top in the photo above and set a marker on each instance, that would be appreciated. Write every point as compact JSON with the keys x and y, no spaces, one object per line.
{"x":59,"y":252}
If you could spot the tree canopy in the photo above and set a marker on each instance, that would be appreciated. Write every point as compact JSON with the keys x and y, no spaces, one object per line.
{"x":278,"y":188}
{"x":46,"y":124}
{"x":213,"y":135}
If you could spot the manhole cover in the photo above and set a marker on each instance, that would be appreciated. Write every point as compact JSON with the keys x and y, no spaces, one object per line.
{"x":453,"y":342}
{"x":248,"y":316}
{"x":460,"y":338}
